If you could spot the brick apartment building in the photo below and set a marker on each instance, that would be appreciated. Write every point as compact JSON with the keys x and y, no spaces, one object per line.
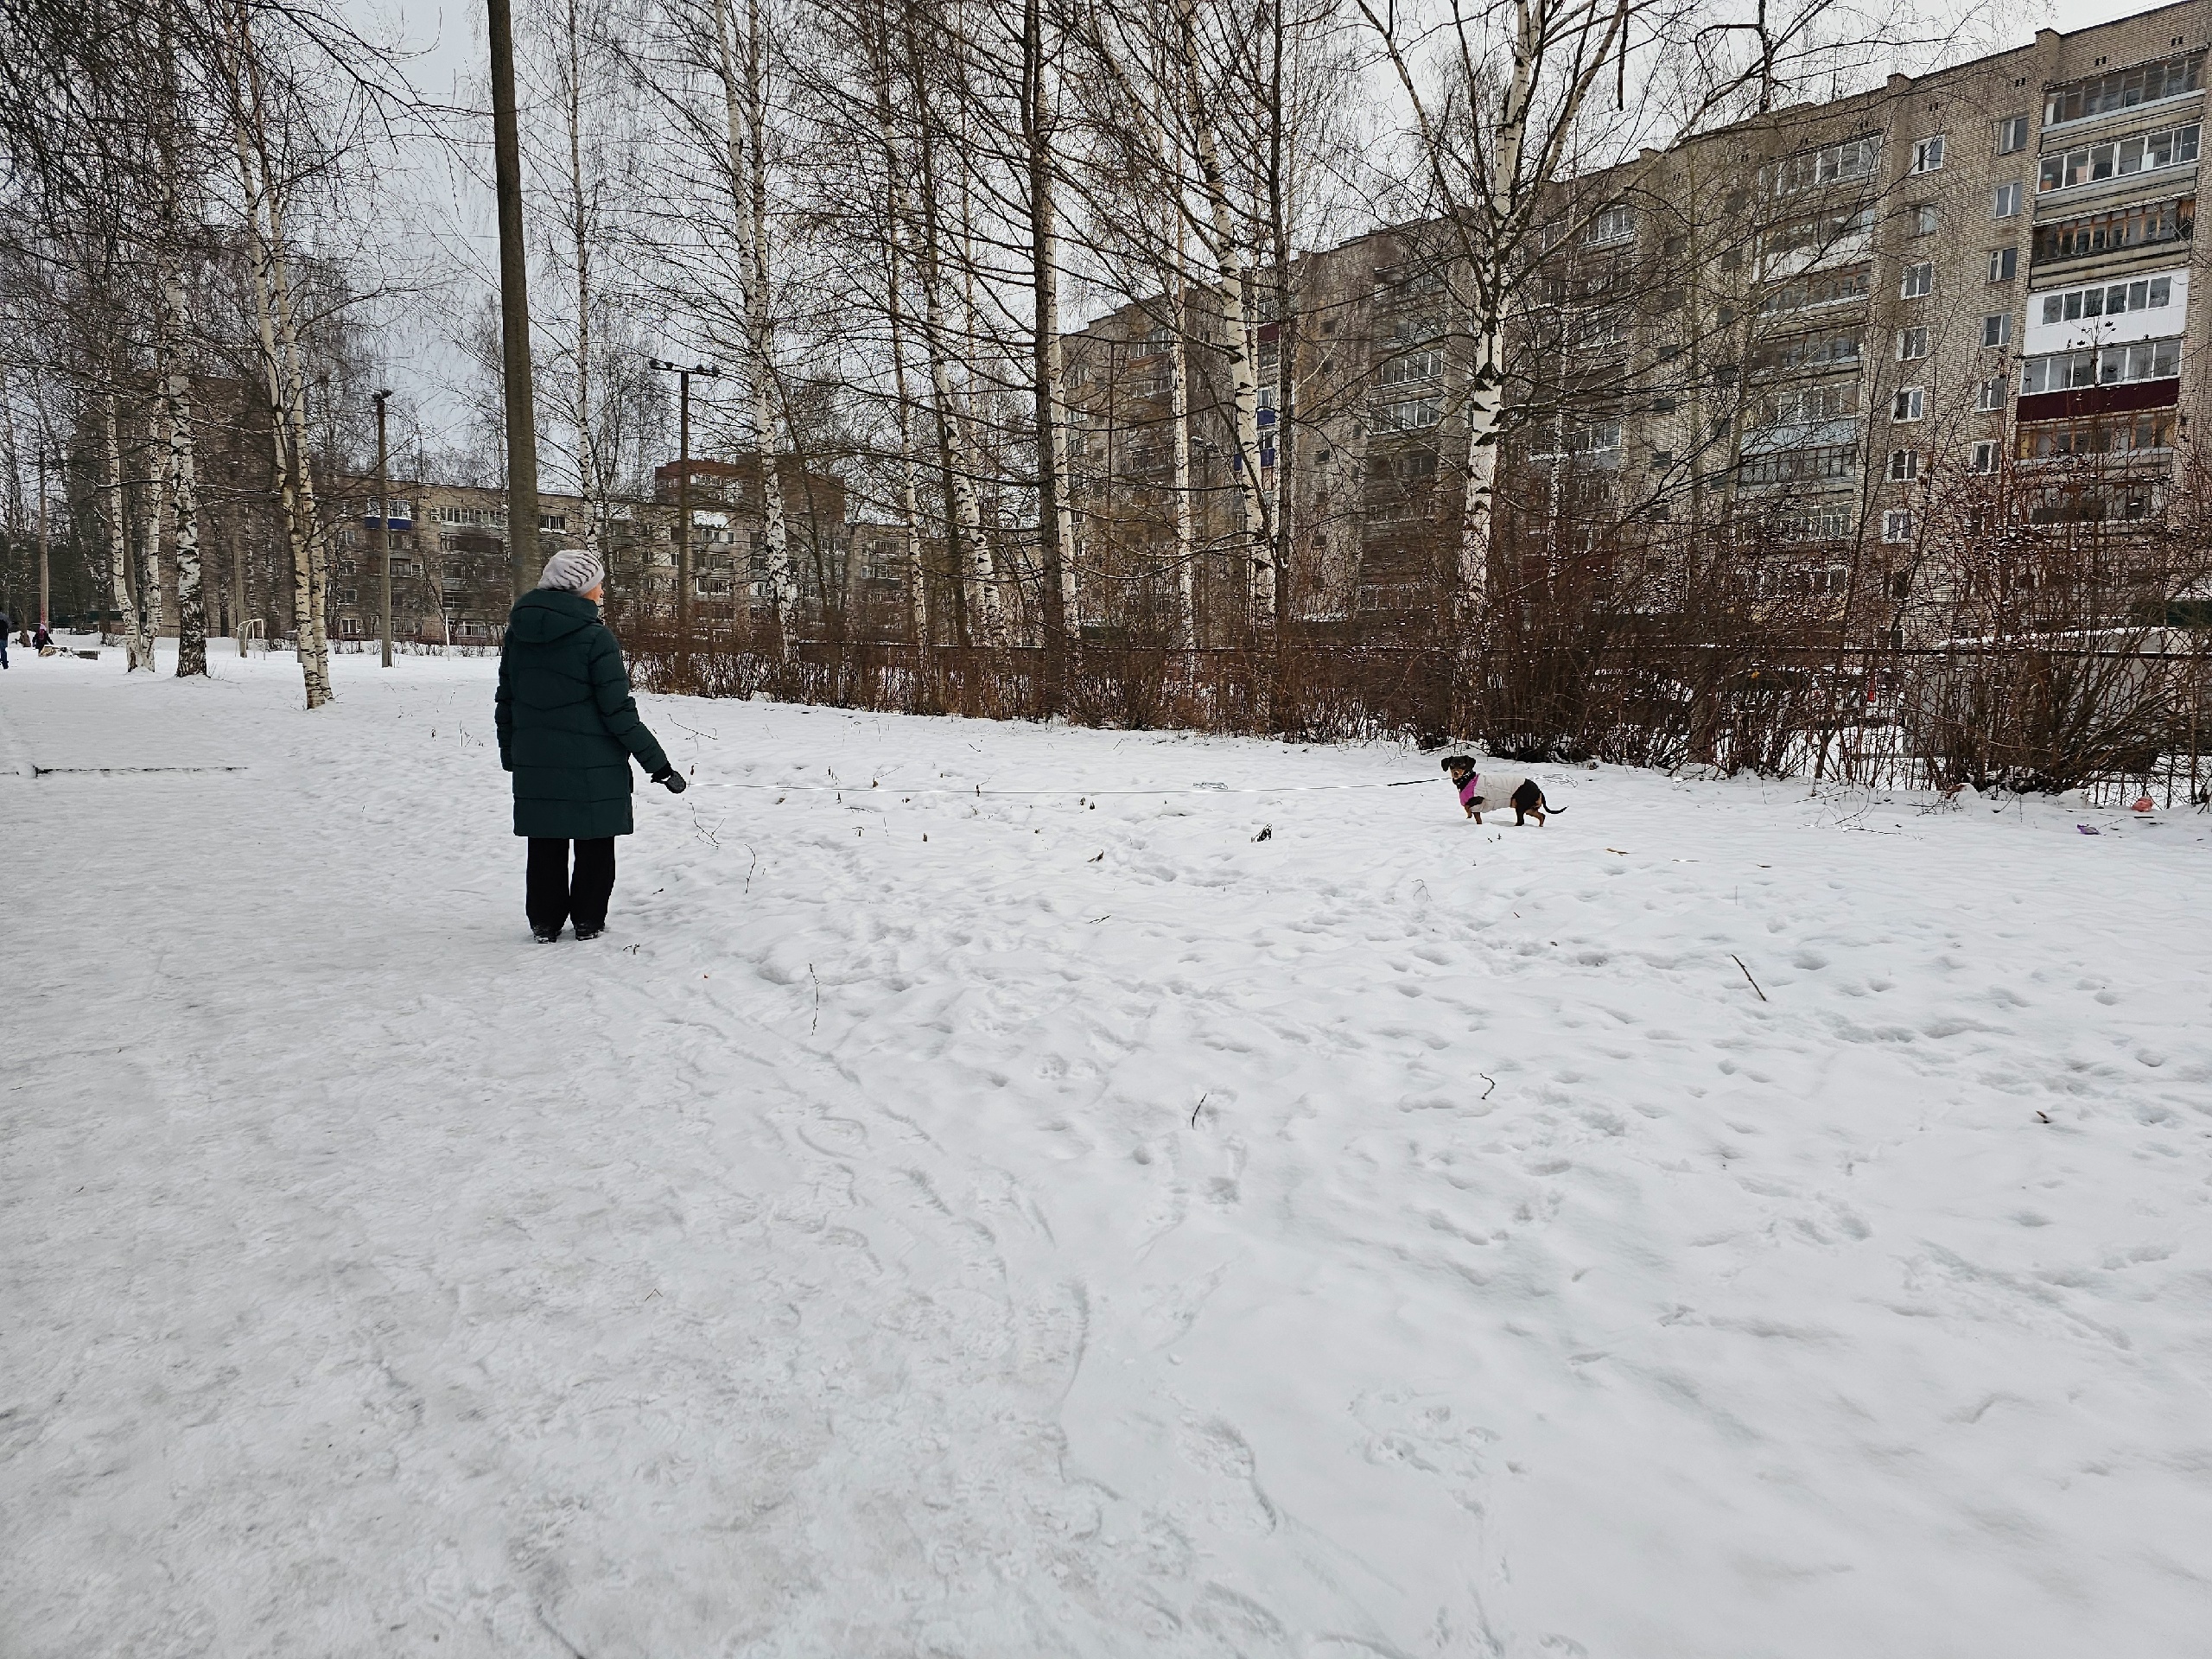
{"x":1819,"y":327}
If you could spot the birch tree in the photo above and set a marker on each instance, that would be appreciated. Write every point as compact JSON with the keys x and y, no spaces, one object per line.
{"x":1495,"y":144}
{"x":740,"y":63}
{"x":283,"y":378}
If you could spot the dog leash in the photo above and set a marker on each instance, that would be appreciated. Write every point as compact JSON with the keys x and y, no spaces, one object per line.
{"x":1083,"y":794}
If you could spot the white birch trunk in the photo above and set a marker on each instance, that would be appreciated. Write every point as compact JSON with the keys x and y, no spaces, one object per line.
{"x":1178,"y":410}
{"x":118,"y":544}
{"x":146,"y":570}
{"x":280,"y":426}
{"x":990,"y":601}
{"x":1486,"y":392}
{"x":184,"y":489}
{"x":1232,"y":272}
{"x":896,"y":205}
{"x":1062,"y":527}
{"x":964,"y":513}
{"x":967,"y":510}
{"x":745,"y":117}
{"x":314,"y":644}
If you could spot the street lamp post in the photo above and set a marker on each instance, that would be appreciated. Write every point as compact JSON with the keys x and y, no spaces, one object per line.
{"x":383,"y":522}
{"x":683,"y":373}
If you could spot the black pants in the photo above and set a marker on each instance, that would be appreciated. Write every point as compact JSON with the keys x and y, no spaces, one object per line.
{"x":553,"y":898}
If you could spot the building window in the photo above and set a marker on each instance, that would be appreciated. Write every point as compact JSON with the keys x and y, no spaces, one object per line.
{"x":1918,"y":282}
{"x":1985,"y":456}
{"x":2124,"y":89}
{"x":349,"y":627}
{"x":349,"y":596}
{"x":1837,"y":348}
{"x":1904,"y":466}
{"x":1840,"y":164}
{"x":1409,"y":415}
{"x":2116,"y":158}
{"x":1910,"y":403}
{"x":1816,"y":290}
{"x":2012,"y":135}
{"x":1927,"y":154}
{"x":1833,"y":579}
{"x":1829,"y":461}
{"x":1897,"y":526}
{"x":1820,"y":525}
{"x":2108,"y":300}
{"x":1989,"y":395}
{"x":1611,"y":224}
{"x":1926,"y":221}
{"x":1911,"y":343}
{"x":1410,"y":368}
{"x":552,"y":521}
{"x":2095,"y":234}
{"x":2004,"y":264}
{"x":2149,"y":359}
{"x":1997,"y":328}
{"x":2120,"y":435}
{"x":454,"y":585}
{"x":2005,"y":201}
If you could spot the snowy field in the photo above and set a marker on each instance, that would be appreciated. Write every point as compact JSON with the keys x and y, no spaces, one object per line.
{"x":941,"y":1223}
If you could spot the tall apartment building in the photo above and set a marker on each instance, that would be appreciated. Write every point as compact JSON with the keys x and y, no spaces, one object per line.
{"x":1822,"y":332}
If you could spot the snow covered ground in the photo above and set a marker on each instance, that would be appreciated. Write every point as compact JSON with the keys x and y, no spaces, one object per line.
{"x":935,"y":1222}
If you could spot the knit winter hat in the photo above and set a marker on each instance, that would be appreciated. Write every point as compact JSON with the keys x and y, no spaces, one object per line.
{"x":573,"y":570}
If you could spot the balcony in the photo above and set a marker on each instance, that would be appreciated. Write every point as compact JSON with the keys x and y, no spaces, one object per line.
{"x":2115,"y":233}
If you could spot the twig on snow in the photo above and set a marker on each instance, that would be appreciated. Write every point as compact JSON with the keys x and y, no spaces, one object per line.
{"x":1738,"y":961}
{"x":1196,"y":1109}
{"x":1489,"y":1079}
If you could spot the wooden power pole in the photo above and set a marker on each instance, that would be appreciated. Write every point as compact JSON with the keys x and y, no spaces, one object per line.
{"x":42,"y":581}
{"x":514,"y":310}
{"x":384,"y":522}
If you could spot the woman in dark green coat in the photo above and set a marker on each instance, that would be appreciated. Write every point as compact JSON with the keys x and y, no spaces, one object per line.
{"x":568,"y":728}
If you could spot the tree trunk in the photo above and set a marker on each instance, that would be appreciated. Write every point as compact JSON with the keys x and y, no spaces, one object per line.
{"x":184,"y":489}
{"x":1179,"y":412}
{"x":896,"y":204}
{"x":594,"y":478}
{"x":136,"y":654}
{"x":1232,"y":277}
{"x":146,"y":567}
{"x":1053,"y":522}
{"x":296,"y":503}
{"x":746,"y":114}
{"x":971,"y":552}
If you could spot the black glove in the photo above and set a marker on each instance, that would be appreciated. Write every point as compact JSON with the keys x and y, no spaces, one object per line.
{"x":672,"y":780}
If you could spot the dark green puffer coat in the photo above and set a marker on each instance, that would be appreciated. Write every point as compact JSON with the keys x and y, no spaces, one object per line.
{"x":567,"y":724}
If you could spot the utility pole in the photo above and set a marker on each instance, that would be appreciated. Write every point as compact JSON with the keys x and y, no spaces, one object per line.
{"x":514,"y":309}
{"x":42,"y":584}
{"x":384,"y":521}
{"x":683,"y":373}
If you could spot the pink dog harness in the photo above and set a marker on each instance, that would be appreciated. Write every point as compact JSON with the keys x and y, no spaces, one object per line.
{"x":1467,"y":789}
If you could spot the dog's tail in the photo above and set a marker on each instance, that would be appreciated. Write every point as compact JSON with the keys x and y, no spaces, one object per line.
{"x":1549,"y":808}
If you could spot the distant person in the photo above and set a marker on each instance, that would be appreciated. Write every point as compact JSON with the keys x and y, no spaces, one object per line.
{"x":568,"y":727}
{"x":42,"y":640}
{"x":7,"y":625}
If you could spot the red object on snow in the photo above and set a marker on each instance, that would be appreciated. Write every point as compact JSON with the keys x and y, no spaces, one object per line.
{"x":2144,"y":804}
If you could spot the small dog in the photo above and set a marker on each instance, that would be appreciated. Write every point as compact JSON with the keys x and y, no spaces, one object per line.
{"x":1499,"y":792}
